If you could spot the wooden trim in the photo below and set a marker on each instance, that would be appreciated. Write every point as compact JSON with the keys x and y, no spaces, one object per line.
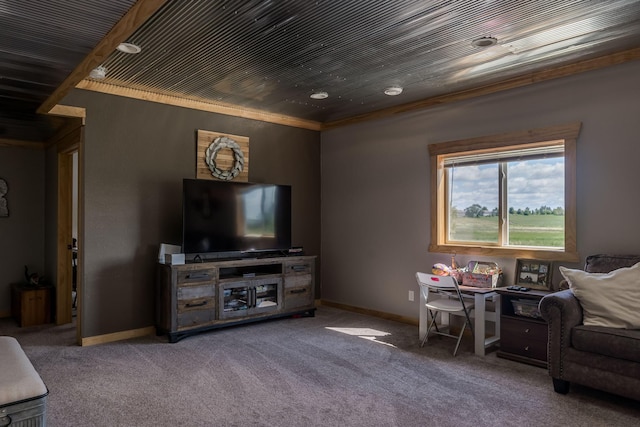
{"x":512,"y":83}
{"x":200,"y":105}
{"x":33,"y":145}
{"x":225,"y":159}
{"x":69,"y":111}
{"x":375,"y":313}
{"x":491,"y":142}
{"x":570,"y":194}
{"x":135,"y":17}
{"x":68,"y":140}
{"x":489,"y":251}
{"x":80,"y":213}
{"x":437,"y":200}
{"x":63,"y":266}
{"x":118,"y":336}
{"x":58,"y":110}
{"x":566,"y":132}
{"x":64,"y":136}
{"x":5,"y":314}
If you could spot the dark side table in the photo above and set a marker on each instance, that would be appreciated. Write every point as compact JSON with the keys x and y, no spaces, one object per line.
{"x":31,"y":305}
{"x":523,"y":334}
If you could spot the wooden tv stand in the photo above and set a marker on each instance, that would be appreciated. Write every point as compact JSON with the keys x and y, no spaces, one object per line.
{"x":197,"y":297}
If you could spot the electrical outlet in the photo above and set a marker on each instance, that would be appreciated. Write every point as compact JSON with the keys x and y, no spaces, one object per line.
{"x":410,"y":295}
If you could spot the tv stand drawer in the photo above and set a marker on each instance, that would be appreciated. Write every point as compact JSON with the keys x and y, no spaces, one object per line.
{"x":195,"y":319}
{"x":298,"y":297}
{"x":195,"y":276}
{"x":298,"y":267}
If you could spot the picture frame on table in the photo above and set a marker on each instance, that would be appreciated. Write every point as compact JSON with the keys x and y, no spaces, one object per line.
{"x":534,"y":274}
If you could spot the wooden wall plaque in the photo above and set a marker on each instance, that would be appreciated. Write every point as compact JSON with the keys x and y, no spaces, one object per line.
{"x":225,"y":158}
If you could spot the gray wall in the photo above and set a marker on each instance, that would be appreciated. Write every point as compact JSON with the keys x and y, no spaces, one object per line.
{"x":22,"y":234}
{"x":51,"y":208}
{"x":375,"y":181}
{"x":136,"y":155}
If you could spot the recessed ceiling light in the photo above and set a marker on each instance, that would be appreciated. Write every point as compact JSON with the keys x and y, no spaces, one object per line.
{"x":129,"y":48}
{"x":319,"y":95}
{"x":484,"y":42}
{"x":98,"y":73}
{"x":393,"y":91}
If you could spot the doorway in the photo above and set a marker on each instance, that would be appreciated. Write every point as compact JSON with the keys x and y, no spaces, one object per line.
{"x":69,"y":230}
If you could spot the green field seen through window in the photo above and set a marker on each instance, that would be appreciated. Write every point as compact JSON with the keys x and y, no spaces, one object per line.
{"x":524,"y":230}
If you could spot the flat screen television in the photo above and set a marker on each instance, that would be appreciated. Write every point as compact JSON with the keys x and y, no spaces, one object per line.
{"x":236,"y":217}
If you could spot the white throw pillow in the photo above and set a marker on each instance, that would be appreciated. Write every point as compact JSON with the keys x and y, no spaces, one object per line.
{"x":607,"y":299}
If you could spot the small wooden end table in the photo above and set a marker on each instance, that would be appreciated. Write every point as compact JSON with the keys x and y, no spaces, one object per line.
{"x":31,"y":304}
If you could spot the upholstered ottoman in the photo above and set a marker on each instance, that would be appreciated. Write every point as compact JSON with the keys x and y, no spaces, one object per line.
{"x":22,"y":393}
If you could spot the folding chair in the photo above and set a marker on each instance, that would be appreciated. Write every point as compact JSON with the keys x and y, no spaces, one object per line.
{"x":442,"y":295}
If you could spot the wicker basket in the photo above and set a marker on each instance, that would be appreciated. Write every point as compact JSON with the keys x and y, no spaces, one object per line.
{"x":482,"y":274}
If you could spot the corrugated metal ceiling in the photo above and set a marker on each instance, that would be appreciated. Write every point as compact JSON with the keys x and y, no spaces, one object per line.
{"x":271,"y":55}
{"x":41,"y":43}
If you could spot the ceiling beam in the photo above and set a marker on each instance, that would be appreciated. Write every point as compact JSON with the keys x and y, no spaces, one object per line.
{"x":136,"y":16}
{"x":69,"y":111}
{"x":201,"y":105}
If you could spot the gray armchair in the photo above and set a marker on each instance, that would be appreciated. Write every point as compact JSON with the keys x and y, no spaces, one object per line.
{"x":595,"y":356}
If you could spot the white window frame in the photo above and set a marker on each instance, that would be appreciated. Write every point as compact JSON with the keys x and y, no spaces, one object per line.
{"x":567,"y":134}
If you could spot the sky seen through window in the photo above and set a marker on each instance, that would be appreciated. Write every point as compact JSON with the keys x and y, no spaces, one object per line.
{"x":531,"y":184}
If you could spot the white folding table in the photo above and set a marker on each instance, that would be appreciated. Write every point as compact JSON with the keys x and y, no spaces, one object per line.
{"x":479,"y":314}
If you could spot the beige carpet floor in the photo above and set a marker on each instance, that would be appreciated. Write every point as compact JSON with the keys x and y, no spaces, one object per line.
{"x":335,"y":369}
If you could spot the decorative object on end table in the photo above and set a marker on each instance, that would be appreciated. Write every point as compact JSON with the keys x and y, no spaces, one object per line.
{"x":482,"y":274}
{"x":33,"y":279}
{"x":534,"y":274}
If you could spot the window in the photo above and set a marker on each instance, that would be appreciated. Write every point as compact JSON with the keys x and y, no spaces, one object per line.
{"x":506,"y":195}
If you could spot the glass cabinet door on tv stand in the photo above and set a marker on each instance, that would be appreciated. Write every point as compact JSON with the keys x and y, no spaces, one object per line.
{"x":250,"y":297}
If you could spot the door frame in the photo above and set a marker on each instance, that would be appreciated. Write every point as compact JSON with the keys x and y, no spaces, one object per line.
{"x":64,"y":268}
{"x":69,"y":140}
